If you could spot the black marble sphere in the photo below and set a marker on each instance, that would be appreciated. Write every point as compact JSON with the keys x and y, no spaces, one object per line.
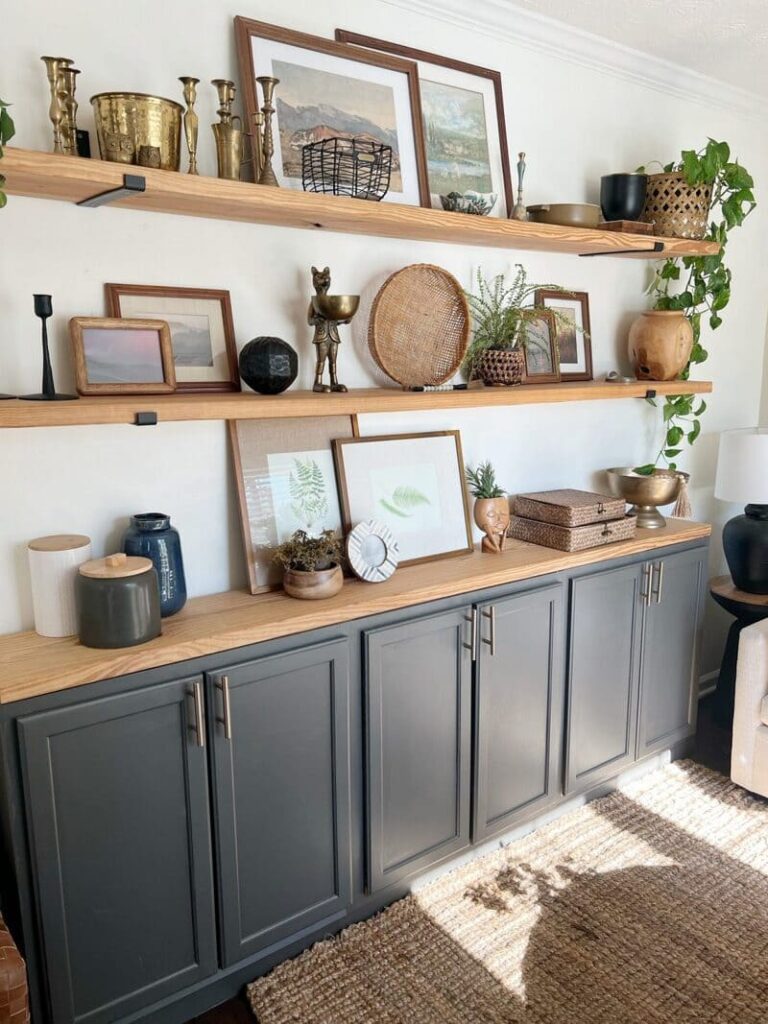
{"x":268,"y":365}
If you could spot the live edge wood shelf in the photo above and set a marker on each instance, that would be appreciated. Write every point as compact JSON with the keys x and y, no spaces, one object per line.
{"x":50,"y":176}
{"x":31,"y":665}
{"x":120,"y":409}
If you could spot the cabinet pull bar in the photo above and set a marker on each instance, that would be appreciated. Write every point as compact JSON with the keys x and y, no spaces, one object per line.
{"x":491,"y":614}
{"x":659,"y":581}
{"x":199,"y":715}
{"x":223,"y":685}
{"x":645,"y":589}
{"x":472,"y":645}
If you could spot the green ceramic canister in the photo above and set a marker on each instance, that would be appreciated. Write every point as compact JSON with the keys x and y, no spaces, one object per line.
{"x":118,"y":601}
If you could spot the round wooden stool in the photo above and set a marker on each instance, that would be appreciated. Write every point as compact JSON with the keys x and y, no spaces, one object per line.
{"x":747,"y":609}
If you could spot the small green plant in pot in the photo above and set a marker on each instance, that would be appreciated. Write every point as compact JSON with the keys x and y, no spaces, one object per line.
{"x":491,"y":511}
{"x":7,"y":131}
{"x":311,"y":565}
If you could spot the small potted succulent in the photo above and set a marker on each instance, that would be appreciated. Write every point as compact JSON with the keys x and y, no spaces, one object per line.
{"x":311,"y":565}
{"x":491,"y":511}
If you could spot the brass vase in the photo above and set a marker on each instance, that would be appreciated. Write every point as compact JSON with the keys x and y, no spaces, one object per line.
{"x":660,"y":344}
{"x":126,"y":122}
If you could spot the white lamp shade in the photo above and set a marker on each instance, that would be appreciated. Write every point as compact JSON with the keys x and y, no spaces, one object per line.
{"x":742,"y":467}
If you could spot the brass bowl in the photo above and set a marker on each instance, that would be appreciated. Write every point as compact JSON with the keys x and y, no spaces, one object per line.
{"x":569,"y":215}
{"x":336,"y":307}
{"x":127,"y":121}
{"x":646,"y":492}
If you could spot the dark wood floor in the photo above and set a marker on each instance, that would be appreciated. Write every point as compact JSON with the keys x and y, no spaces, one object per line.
{"x":713,"y":749}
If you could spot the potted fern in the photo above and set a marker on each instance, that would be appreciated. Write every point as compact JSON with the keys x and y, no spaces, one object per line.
{"x":311,"y":565}
{"x":491,"y":511}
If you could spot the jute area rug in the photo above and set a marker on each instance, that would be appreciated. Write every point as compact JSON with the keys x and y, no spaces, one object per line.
{"x":648,"y":906}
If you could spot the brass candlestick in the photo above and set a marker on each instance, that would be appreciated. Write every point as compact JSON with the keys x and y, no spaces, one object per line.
{"x":257,"y":148}
{"x":229,"y":137}
{"x":68,"y":80}
{"x":56,"y":112}
{"x":519,"y":211}
{"x":190,"y":120}
{"x":267,"y":174}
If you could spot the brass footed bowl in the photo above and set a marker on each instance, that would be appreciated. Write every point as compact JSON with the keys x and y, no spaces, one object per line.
{"x":336,"y":307}
{"x":646,"y":492}
{"x":126,"y":121}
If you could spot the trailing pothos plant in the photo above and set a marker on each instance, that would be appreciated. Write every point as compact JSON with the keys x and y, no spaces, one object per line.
{"x":7,"y":131}
{"x":700,"y":286}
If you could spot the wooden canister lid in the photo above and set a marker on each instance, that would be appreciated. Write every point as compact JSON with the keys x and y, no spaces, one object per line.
{"x":115,"y":567}
{"x":59,"y":542}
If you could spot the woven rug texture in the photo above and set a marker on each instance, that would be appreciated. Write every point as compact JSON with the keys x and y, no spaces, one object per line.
{"x":649,"y":906}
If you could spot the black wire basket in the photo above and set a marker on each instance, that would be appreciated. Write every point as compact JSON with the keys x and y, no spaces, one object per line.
{"x":358,"y":168}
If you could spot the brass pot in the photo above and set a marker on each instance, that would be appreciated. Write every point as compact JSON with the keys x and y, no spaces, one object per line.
{"x":313,"y":586}
{"x":500,"y":367}
{"x":128,"y":121}
{"x":660,"y":344}
{"x":646,"y":492}
{"x":336,"y":307}
{"x":569,"y":215}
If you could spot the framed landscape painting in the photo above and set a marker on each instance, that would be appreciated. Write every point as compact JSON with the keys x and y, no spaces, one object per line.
{"x":572,"y":331}
{"x":328,"y":89}
{"x":462,"y":110}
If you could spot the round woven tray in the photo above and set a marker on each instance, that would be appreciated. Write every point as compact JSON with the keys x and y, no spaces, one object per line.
{"x":418,"y":331}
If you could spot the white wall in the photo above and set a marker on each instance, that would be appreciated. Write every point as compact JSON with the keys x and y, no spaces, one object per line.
{"x":575,"y":122}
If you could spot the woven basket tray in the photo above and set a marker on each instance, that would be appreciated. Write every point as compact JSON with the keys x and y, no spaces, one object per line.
{"x":566,"y":507}
{"x":418,"y":331}
{"x":575,"y":538}
{"x":677,"y":209}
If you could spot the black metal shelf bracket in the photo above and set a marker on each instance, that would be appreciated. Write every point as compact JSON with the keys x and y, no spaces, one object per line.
{"x":133,"y":184}
{"x":649,"y":394}
{"x":657,"y":247}
{"x":145,"y":419}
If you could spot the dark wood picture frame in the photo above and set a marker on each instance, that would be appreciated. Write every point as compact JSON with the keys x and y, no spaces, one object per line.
{"x":79,"y":324}
{"x":113,"y":293}
{"x":541,"y":296}
{"x":548,"y":317}
{"x":245,"y":28}
{"x":413,"y":54}
{"x":346,"y":519}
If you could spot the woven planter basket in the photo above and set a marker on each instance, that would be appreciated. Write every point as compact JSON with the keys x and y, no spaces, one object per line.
{"x":501,"y":367}
{"x":677,"y":209}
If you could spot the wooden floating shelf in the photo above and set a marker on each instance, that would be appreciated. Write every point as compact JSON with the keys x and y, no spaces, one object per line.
{"x":72,"y":179}
{"x":242,"y":406}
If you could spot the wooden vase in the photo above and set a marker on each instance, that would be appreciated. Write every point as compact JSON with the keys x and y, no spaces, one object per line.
{"x":313,"y":586}
{"x":492,"y":517}
{"x":660,"y":343}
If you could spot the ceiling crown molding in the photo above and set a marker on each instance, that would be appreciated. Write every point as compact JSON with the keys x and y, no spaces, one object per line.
{"x":502,"y":20}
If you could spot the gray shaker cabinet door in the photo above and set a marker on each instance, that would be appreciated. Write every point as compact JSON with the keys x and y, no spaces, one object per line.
{"x":519,"y":706}
{"x":418,"y":737}
{"x":670,"y":647}
{"x":281,"y":789}
{"x":605,"y":631}
{"x":117,"y":796}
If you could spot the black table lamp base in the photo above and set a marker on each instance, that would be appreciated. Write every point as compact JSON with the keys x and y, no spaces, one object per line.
{"x":745,"y":542}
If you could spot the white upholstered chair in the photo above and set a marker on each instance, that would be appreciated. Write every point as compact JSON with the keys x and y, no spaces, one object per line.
{"x":749,"y":753}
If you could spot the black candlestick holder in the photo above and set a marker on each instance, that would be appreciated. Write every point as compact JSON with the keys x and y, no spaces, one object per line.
{"x":44,"y":309}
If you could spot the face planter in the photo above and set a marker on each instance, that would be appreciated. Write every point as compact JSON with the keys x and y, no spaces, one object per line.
{"x":492,"y":517}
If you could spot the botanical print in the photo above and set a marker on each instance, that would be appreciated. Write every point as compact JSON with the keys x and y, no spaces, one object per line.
{"x":122,"y":356}
{"x":456,"y":138}
{"x":567,"y":342}
{"x":303,"y":493}
{"x":190,"y":337}
{"x":313,"y":105}
{"x":407,"y":498}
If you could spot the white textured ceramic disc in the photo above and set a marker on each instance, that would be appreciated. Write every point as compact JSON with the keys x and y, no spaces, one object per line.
{"x":372,"y":551}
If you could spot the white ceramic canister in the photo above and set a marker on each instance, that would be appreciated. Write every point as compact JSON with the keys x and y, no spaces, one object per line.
{"x":53,"y":565}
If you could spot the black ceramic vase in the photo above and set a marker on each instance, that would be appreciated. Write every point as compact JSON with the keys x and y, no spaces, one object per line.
{"x":745,"y":543}
{"x":268,"y":365}
{"x":622,"y":196}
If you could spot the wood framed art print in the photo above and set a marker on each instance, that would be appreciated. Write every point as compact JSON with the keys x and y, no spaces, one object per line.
{"x":202,"y":332}
{"x":329,"y":89}
{"x":540,"y":349}
{"x":572,"y":331}
{"x":122,"y":357}
{"x":411,"y":483}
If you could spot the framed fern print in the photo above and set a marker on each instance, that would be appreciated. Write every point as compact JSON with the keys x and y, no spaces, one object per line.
{"x":413,"y":484}
{"x":285,"y":482}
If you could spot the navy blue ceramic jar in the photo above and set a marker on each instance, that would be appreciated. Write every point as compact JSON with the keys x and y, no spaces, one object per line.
{"x":152,"y":536}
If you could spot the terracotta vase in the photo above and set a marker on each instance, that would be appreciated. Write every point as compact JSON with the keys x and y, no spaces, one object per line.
{"x":501,"y":367}
{"x":660,"y":343}
{"x":313,"y":586}
{"x":492,"y":517}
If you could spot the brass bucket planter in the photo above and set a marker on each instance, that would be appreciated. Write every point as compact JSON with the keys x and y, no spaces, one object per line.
{"x":128,"y":123}
{"x":499,"y":367}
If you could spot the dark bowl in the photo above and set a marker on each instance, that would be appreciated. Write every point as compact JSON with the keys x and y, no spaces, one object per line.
{"x":622,"y":196}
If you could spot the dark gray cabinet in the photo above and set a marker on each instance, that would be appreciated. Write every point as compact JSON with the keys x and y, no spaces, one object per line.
{"x":603,"y":671}
{"x":281,"y":787}
{"x":668,"y":673}
{"x":518,"y":702}
{"x":418,"y":681}
{"x":117,"y":798}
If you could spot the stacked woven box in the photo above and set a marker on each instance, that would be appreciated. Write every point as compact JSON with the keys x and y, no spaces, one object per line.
{"x":570,"y":520}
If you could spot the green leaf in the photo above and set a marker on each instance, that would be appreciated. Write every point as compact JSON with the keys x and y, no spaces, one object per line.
{"x":701,"y":408}
{"x":694,"y":432}
{"x":646,"y":470}
{"x":692,"y":167}
{"x":714,"y":322}
{"x":674,"y":436}
{"x":721,"y":300}
{"x":3,"y":199}
{"x":670,"y":453}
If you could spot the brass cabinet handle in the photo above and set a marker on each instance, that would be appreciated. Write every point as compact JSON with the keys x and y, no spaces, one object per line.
{"x":223,"y":685}
{"x":659,"y":581}
{"x":645,"y":588}
{"x":472,"y":645}
{"x":490,"y":613}
{"x":197,"y":691}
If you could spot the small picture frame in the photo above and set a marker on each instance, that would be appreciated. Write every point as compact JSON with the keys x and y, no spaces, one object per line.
{"x":411,"y":483}
{"x":540,"y":349}
{"x":572,"y":331}
{"x":202,"y":331}
{"x":122,"y":357}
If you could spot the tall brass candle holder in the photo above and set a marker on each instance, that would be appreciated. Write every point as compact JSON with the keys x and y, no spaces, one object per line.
{"x":190,"y":120}
{"x":267,"y":175}
{"x":56,"y":112}
{"x":229,"y":137}
{"x":68,"y":80}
